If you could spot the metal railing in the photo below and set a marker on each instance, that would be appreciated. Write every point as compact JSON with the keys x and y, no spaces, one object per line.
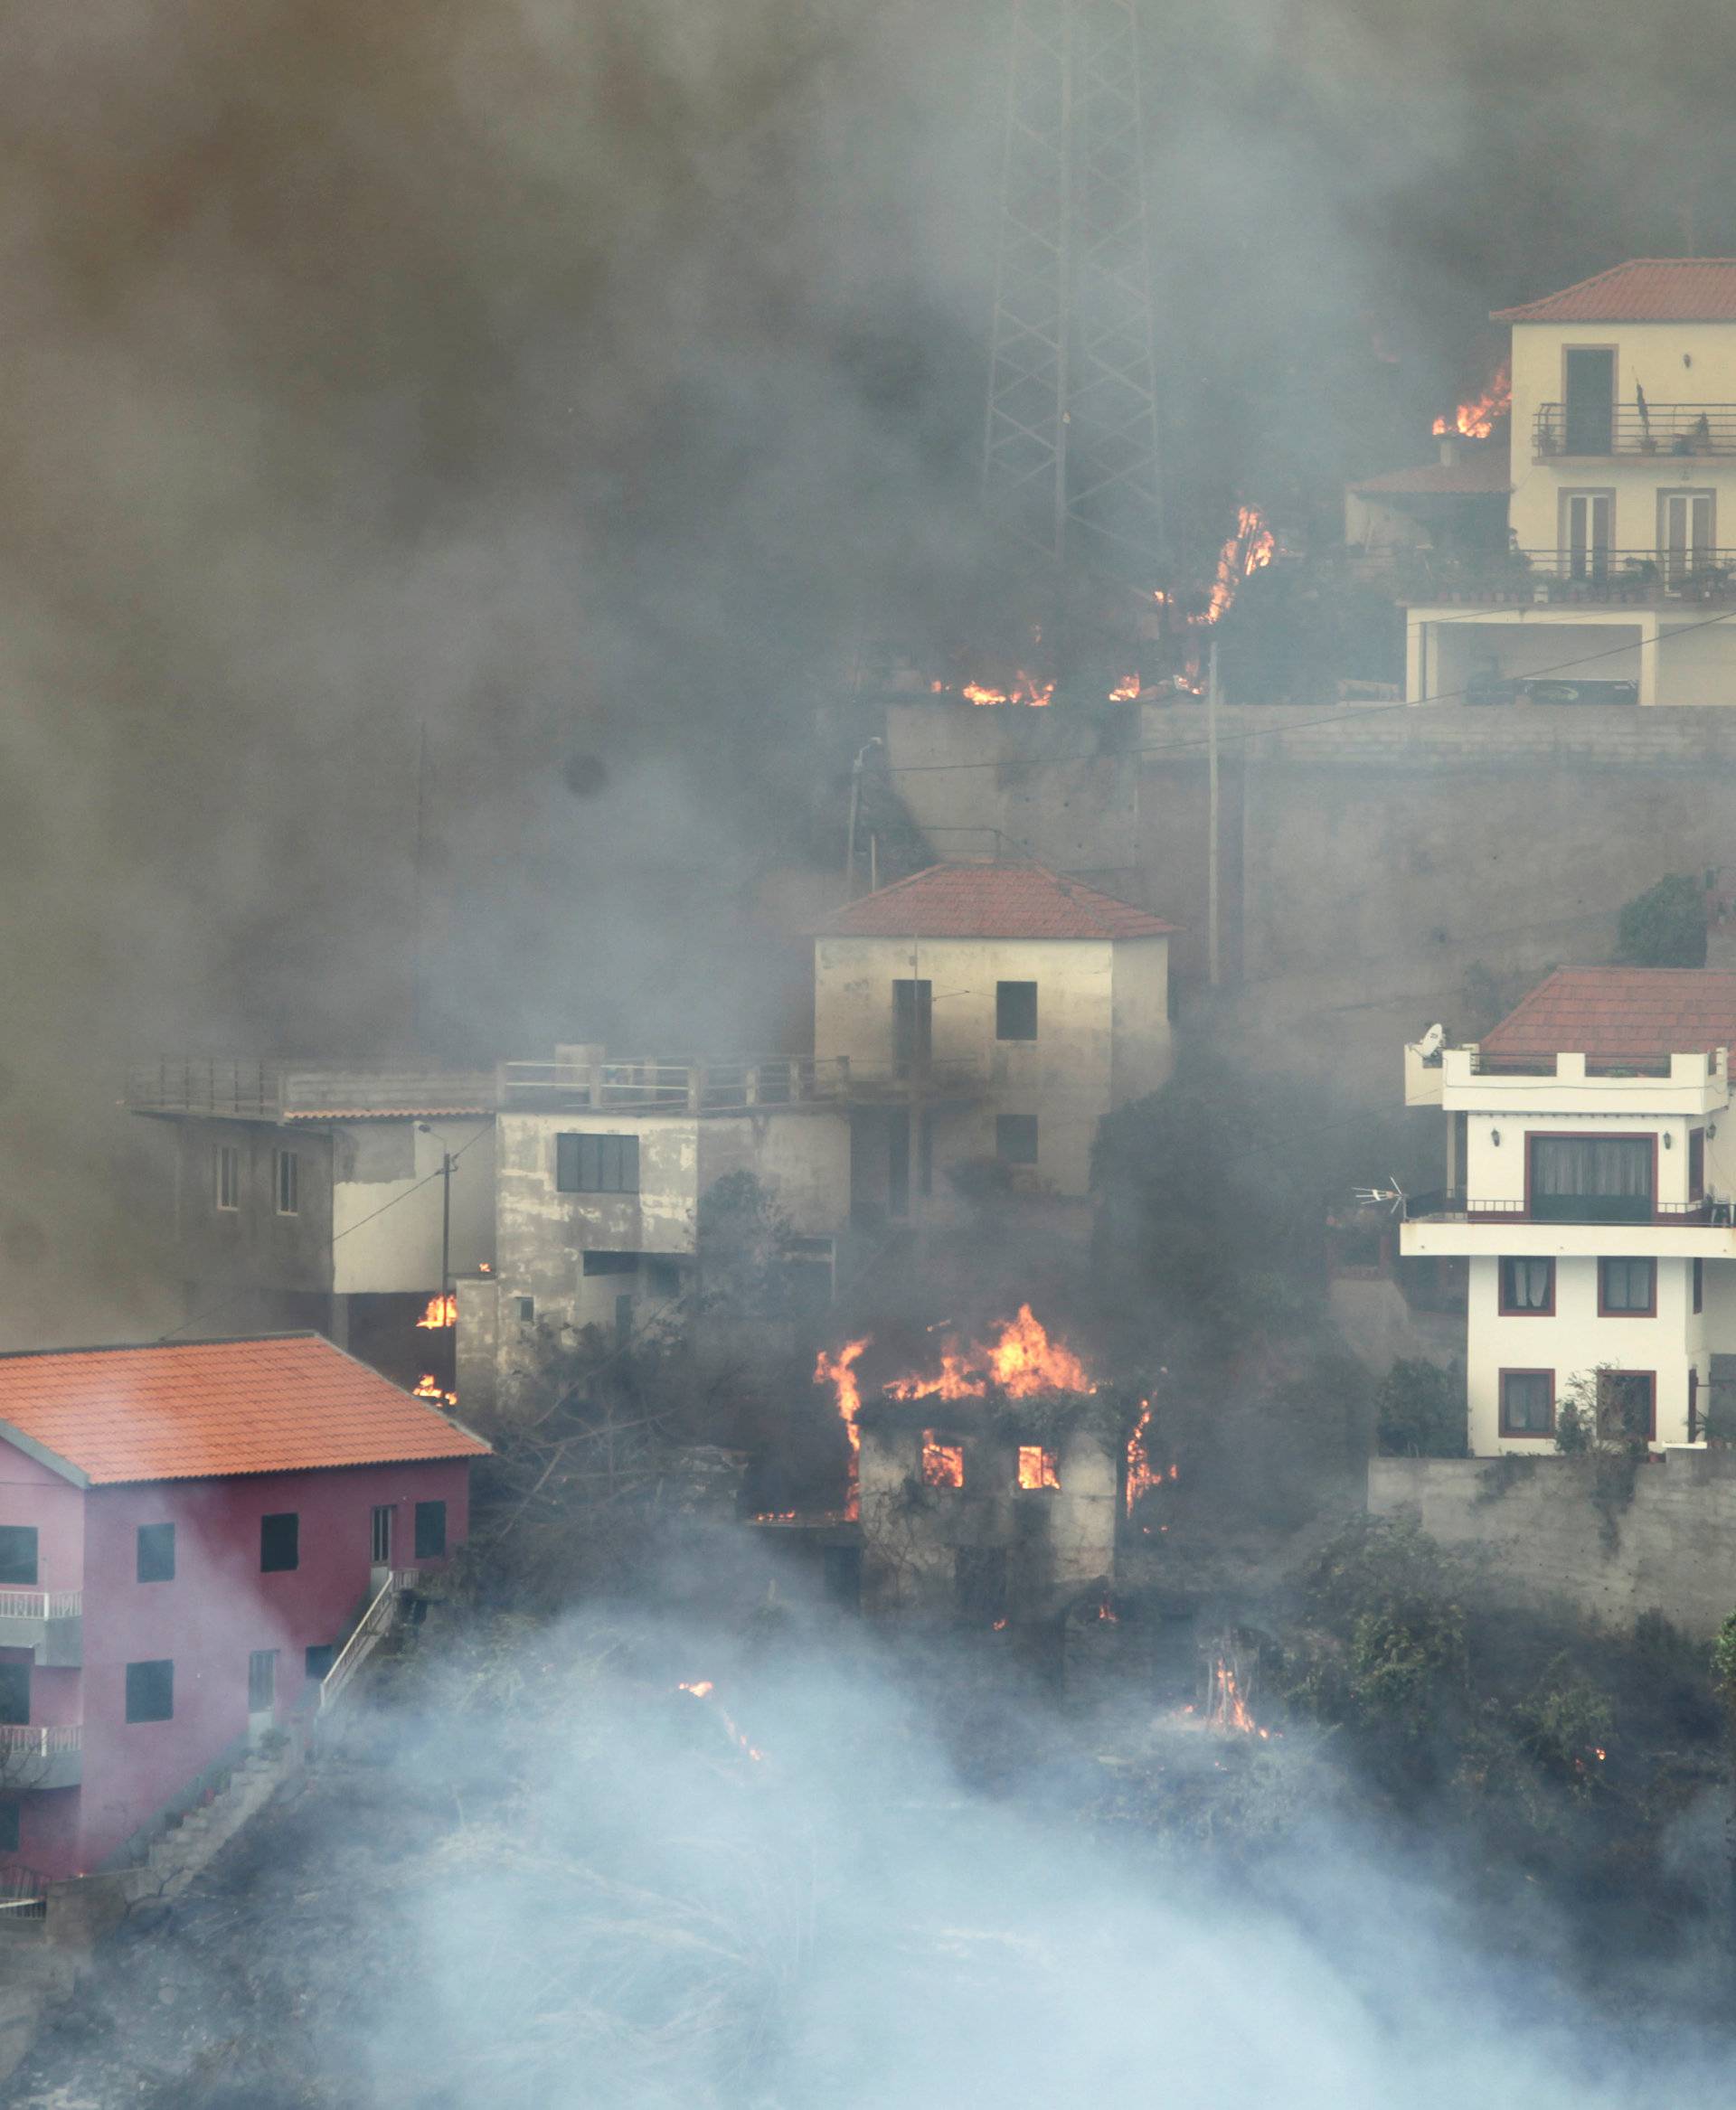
{"x":373,"y":1624}
{"x":1595,"y":574}
{"x":248,"y":1089}
{"x":23,"y":1895}
{"x":39,"y":1740}
{"x":1635,"y":428}
{"x":41,"y":1604}
{"x":1445,"y":1208}
{"x":650,"y":1086}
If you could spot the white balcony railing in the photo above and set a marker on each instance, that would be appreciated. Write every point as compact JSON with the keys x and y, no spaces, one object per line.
{"x":39,"y":1740}
{"x":41,"y":1604}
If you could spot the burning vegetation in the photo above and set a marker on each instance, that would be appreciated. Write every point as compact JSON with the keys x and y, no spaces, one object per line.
{"x":1478,"y":419}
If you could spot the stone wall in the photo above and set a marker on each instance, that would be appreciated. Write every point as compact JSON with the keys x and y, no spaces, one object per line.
{"x":1545,"y":1530}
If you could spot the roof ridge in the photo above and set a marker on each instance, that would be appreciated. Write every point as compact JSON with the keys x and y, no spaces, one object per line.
{"x":203,"y":1341}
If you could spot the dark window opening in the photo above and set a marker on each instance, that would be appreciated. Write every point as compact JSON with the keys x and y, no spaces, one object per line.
{"x":1592,"y":1179}
{"x":912,"y":1027}
{"x":597,"y":1164}
{"x":609,"y":1263}
{"x":17,"y":1556}
{"x":1527,"y":1402}
{"x":150,"y":1692}
{"x":1015,"y":1138}
{"x":156,"y":1556}
{"x":1699,"y":1286}
{"x":662,"y":1276}
{"x":1696,"y":1164}
{"x":1527,"y":1286}
{"x":1015,"y":1011}
{"x":1628,"y":1286}
{"x":279,"y":1542}
{"x":262,"y":1681}
{"x":430,"y":1530}
{"x":9,"y":1830}
{"x":319,"y":1660}
{"x":379,"y":1535}
{"x":14,"y":1694}
{"x":229,"y":1176}
{"x":527,"y":1310}
{"x":1588,"y":377}
{"x":288,"y":1182}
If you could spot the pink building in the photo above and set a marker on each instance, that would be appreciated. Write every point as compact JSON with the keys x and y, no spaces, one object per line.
{"x":188,"y":1534}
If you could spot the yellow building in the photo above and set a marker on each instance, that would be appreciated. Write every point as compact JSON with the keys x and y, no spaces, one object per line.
{"x":1619,"y":586}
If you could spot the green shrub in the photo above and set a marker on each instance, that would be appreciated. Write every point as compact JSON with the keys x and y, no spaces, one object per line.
{"x":1420,"y":1411}
{"x":1664,"y":926}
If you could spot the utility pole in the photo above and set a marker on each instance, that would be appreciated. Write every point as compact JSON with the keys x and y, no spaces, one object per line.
{"x":446,"y":1231}
{"x":1212,"y":815}
{"x":856,"y":808}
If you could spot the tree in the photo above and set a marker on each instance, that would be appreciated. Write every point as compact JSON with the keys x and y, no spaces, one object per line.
{"x":1664,"y":926}
{"x":744,"y":1242}
{"x":1420,"y":1411}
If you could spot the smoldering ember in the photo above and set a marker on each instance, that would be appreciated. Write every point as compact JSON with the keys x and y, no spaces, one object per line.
{"x":870,"y":1215}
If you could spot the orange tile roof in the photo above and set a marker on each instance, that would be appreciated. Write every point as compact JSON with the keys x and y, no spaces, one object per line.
{"x":206,"y":1410}
{"x":990,"y":901}
{"x":1621,"y":1013}
{"x":1648,"y":289}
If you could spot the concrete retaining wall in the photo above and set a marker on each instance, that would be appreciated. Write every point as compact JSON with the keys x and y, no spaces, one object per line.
{"x":1539,"y":1531}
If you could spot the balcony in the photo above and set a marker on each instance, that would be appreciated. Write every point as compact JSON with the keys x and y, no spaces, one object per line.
{"x":1670,"y":429}
{"x":41,"y":1755}
{"x":1590,"y":578}
{"x":48,"y":1623}
{"x":231,"y":1089}
{"x":1447,"y":1225}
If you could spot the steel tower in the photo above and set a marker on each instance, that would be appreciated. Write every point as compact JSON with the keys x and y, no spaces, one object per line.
{"x":1071,"y":453}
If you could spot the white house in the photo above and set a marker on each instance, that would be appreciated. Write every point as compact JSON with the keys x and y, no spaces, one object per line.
{"x":989,"y":1015}
{"x":1622,"y":517}
{"x":1591,"y":1163}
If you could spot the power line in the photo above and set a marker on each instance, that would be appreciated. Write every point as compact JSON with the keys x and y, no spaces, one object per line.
{"x":1339,"y":717}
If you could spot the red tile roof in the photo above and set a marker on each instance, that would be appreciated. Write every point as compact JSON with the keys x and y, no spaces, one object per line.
{"x":1471,"y":475}
{"x":1621,"y":1013}
{"x":990,"y":901}
{"x":1649,"y":289}
{"x":205,"y":1409}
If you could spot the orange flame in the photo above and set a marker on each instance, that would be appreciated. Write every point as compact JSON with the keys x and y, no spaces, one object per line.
{"x":1107,"y":1613}
{"x":1226,"y":1708}
{"x":1038,"y":1467}
{"x":943,"y":1465}
{"x":1125,"y":690}
{"x":443,"y":1310}
{"x":1021,"y":1362}
{"x":703,"y":1688}
{"x":839,"y":1372}
{"x":1478,"y":419}
{"x":429,"y":1387}
{"x":1251,"y":549}
{"x":1025,"y":689}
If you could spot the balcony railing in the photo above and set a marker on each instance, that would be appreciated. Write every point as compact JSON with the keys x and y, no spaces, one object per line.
{"x":246,"y":1091}
{"x":41,"y":1604}
{"x":1581,"y":1209}
{"x":42,"y":1755}
{"x":652,"y":1086}
{"x":1660,"y":429}
{"x":1598,"y":576}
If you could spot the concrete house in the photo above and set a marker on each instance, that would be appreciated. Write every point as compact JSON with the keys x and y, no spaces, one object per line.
{"x":1590,"y":1162}
{"x":602,"y":1166}
{"x":988,"y":1016}
{"x":188,"y":1535}
{"x":315,"y":1196}
{"x":1622,"y":517}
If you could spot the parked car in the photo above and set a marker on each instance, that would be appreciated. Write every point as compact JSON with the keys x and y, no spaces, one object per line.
{"x":1549,"y":689}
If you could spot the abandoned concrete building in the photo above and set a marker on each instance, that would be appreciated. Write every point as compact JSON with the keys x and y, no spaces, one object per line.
{"x":325,"y":1196}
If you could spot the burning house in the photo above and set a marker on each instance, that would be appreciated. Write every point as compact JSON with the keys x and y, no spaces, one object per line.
{"x":338,"y":1197}
{"x":987,"y":1490}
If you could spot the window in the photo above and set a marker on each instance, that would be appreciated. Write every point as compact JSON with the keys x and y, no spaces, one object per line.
{"x":17,"y":1556}
{"x":288,"y":1182}
{"x":8,"y":1827}
{"x":279,"y":1542}
{"x":262,"y":1681}
{"x":912,"y":1026}
{"x":14,"y":1693}
{"x":527,"y":1310}
{"x":1627,"y":1404}
{"x":597,"y":1164}
{"x":1626,"y":1288}
{"x":1589,"y":384}
{"x":1038,"y":1467}
{"x":379,"y":1535}
{"x":1592,"y":1179}
{"x":430,"y":1530}
{"x":1685,"y":540}
{"x":229,"y":1176}
{"x":156,"y":1556}
{"x":601,"y":1262}
{"x":1527,"y":1402}
{"x":1696,"y":1164}
{"x":1699,"y":1286}
{"x":1015,"y":1138}
{"x":1585,"y":534}
{"x":1015,"y":1011}
{"x":1527,"y":1287}
{"x":150,"y":1692}
{"x":319,"y":1658}
{"x":943,"y":1463}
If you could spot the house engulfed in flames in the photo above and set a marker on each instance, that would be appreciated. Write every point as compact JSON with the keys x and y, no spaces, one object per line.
{"x":987,"y":1490}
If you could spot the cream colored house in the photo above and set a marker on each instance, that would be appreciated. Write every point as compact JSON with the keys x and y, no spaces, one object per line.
{"x":1591,"y":1165}
{"x":1622,"y":517}
{"x":989,"y":1015}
